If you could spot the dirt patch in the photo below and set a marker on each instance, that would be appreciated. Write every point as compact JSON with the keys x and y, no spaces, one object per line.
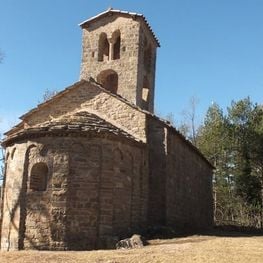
{"x":184,"y":250}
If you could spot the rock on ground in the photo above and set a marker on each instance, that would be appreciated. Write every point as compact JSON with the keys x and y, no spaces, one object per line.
{"x":134,"y":242}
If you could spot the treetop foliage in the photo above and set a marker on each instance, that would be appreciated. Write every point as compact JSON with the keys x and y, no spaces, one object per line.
{"x":233,"y":142}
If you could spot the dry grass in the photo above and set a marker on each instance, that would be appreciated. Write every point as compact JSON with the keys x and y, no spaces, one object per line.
{"x":190,"y":249}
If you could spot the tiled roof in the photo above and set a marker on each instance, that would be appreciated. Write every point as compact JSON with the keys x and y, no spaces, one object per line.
{"x":124,"y":13}
{"x":12,"y":133}
{"x":80,"y":122}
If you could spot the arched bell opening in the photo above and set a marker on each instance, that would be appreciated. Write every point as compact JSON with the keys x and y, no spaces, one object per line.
{"x":109,"y":80}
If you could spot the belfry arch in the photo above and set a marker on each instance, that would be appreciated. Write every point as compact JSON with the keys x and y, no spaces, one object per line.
{"x":103,"y":47}
{"x":109,"y":80}
{"x":115,"y":45}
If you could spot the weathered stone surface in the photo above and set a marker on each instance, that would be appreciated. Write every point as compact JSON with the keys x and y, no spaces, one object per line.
{"x":134,"y":242}
{"x":86,"y":196}
{"x":131,"y":69}
{"x":89,"y":167}
{"x":182,"y":196}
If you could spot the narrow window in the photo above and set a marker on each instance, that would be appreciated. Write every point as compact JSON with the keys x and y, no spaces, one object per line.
{"x":7,"y":156}
{"x":38,"y":177}
{"x":104,"y":46}
{"x":145,"y":93}
{"x":116,"y":40}
{"x":13,"y":153}
{"x":109,"y":80}
{"x":148,"y":58}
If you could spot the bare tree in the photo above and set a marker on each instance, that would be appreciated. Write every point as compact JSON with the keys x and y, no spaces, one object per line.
{"x":184,"y":129}
{"x":48,"y":94}
{"x":170,"y":117}
{"x":189,"y":114}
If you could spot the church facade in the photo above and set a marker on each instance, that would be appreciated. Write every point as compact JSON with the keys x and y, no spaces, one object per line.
{"x":94,"y":164}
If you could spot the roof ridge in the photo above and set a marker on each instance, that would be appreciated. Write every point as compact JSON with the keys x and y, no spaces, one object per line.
{"x":117,"y":96}
{"x":92,"y":123}
{"x":116,"y":11}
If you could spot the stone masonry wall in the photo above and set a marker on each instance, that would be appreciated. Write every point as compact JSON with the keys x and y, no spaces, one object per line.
{"x":156,"y":135}
{"x":12,"y":196}
{"x":36,"y":206}
{"x":96,"y":190}
{"x":126,"y":66}
{"x":91,"y":98}
{"x":189,"y":201}
{"x":180,"y":180}
{"x":146,"y":71}
{"x":130,"y":66}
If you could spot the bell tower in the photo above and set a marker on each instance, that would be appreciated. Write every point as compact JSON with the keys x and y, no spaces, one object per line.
{"x":119,"y":52}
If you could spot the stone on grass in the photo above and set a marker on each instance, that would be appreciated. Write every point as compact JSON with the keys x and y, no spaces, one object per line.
{"x":134,"y":242}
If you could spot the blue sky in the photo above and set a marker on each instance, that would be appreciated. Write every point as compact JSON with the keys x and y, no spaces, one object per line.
{"x":210,"y":49}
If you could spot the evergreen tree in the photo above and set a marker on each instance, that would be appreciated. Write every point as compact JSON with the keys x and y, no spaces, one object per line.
{"x":234,"y":144}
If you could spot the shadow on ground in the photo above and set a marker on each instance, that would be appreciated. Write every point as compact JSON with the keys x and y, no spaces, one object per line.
{"x":161,"y":232}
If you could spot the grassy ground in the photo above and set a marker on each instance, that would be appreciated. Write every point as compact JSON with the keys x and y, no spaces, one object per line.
{"x":241,"y":249}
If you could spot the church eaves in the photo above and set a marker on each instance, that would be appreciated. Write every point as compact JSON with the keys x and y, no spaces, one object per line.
{"x":111,"y":11}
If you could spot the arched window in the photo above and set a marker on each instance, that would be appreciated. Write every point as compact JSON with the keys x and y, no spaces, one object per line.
{"x":104,"y":47}
{"x":38,"y":177}
{"x":109,"y":80}
{"x":116,"y":40}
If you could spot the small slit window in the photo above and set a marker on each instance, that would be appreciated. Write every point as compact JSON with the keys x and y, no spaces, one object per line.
{"x":148,"y":58}
{"x":145,"y":93}
{"x":13,"y":153}
{"x":38,"y":177}
{"x":7,"y":156}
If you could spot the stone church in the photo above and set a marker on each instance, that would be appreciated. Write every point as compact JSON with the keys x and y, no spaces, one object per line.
{"x":93,"y":163}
